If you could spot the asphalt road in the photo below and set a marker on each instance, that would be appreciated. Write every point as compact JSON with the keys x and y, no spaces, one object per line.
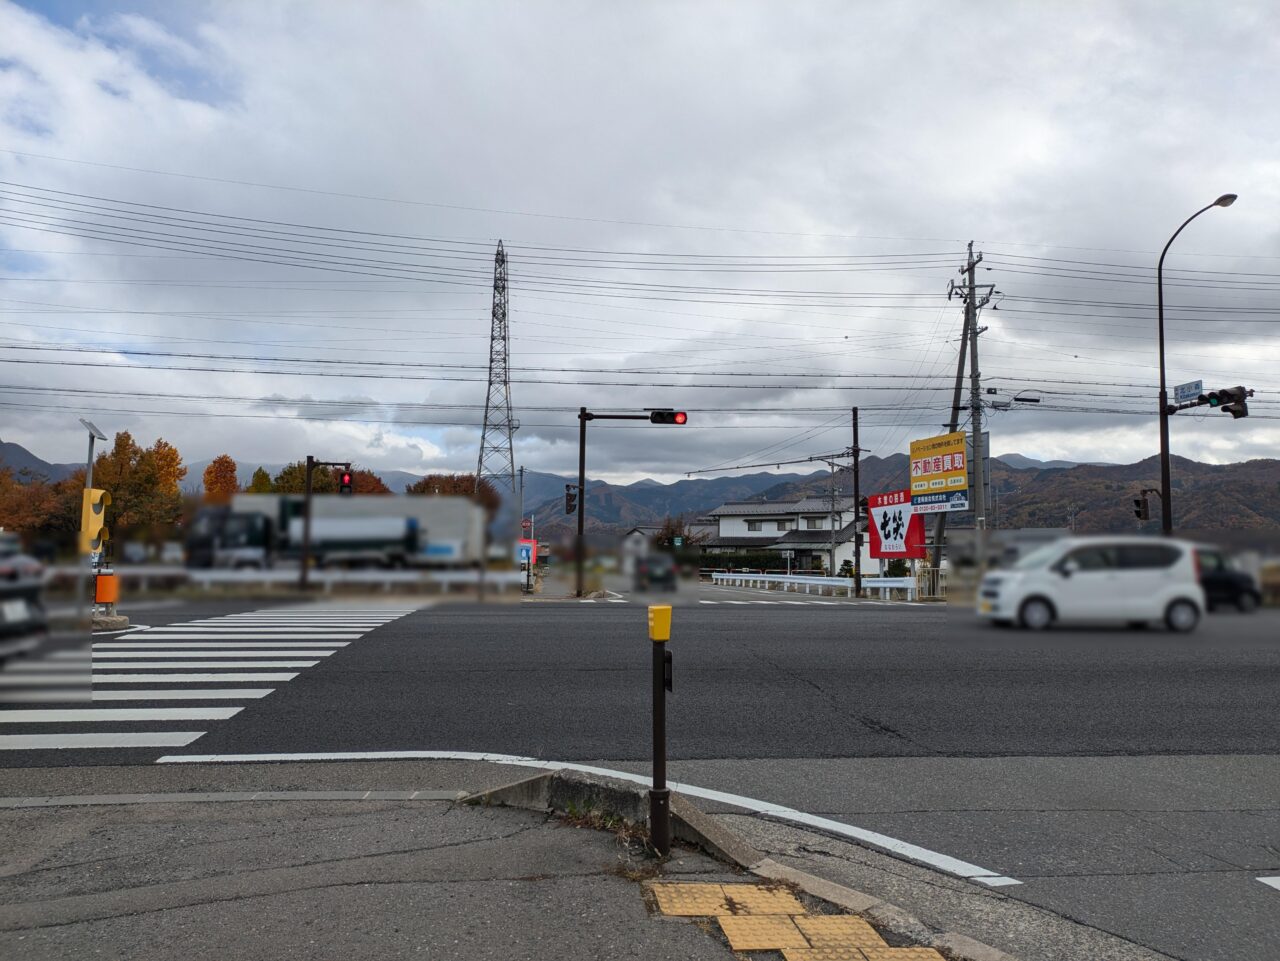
{"x":1129,"y":781}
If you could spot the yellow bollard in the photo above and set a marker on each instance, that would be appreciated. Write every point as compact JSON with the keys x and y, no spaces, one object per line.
{"x":659,"y":622}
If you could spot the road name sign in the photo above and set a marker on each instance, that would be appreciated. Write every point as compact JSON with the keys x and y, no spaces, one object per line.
{"x":1189,"y":391}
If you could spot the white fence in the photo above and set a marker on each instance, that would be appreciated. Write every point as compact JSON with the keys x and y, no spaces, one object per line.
{"x":793,"y":582}
{"x":141,"y":576}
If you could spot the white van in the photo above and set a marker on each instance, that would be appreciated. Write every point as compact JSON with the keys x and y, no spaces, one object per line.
{"x":1130,"y":580}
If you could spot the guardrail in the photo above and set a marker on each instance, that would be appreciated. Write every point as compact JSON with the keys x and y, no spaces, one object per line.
{"x":141,"y":577}
{"x":794,"y":582}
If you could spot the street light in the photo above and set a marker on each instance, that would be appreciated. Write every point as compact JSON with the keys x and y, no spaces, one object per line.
{"x":1166,"y":502}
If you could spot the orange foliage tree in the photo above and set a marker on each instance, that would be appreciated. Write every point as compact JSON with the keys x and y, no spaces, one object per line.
{"x":463,"y":485}
{"x":220,"y":480}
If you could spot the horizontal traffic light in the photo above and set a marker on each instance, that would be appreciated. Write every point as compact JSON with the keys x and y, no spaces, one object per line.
{"x":677,"y":417}
{"x":1232,"y":400}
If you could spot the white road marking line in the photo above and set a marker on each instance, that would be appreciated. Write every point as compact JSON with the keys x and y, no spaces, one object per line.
{"x":123,"y":630}
{"x":184,"y":694}
{"x":617,"y":600}
{"x":219,"y":631}
{"x":36,"y":680}
{"x":39,"y":667}
{"x":826,"y":603}
{"x":77,"y":715}
{"x":215,"y":645}
{"x":201,"y":678}
{"x":44,"y":742}
{"x":905,"y":849}
{"x":737,"y":602}
{"x":72,"y":695}
{"x":251,"y":637}
{"x":100,"y":656}
{"x":1271,"y":882}
{"x":135,"y":666}
{"x":764,"y":602}
{"x":708,"y":602}
{"x":792,"y":602}
{"x":589,"y":600}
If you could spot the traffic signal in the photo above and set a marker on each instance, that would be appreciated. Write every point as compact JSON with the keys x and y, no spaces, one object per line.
{"x":93,"y":520}
{"x":570,"y":498}
{"x":1230,"y":399}
{"x":1141,"y":508}
{"x":863,"y":515}
{"x":668,"y":416}
{"x":344,"y":482}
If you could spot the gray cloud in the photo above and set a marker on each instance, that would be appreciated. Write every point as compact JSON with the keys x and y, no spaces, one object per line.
{"x":1079,"y":137}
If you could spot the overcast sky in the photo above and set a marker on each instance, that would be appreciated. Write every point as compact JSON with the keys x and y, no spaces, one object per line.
{"x":768,"y":198}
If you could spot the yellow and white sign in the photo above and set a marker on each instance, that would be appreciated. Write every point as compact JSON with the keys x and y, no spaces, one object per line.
{"x":939,"y":473}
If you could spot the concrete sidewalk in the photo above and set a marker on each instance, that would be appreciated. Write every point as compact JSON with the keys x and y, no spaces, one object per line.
{"x":298,"y":876}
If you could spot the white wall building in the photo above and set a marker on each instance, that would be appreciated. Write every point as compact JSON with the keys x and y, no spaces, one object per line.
{"x":803,"y":525}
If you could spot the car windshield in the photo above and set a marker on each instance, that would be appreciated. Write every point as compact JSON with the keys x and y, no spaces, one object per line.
{"x":1040,"y":557}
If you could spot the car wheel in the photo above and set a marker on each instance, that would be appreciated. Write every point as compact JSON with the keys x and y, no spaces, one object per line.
{"x":1182,"y":616}
{"x":1247,"y":602}
{"x":1036,"y":614}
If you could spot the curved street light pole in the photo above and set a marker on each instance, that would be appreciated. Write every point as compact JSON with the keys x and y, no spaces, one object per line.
{"x":1166,"y":494}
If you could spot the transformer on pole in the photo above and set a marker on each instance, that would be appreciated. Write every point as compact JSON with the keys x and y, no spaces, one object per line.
{"x":497,"y":462}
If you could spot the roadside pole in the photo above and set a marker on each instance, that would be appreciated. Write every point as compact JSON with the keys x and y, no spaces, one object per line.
{"x":580,"y":544}
{"x":660,"y":795}
{"x":857,"y":509}
{"x":86,"y":562}
{"x":306,"y":525}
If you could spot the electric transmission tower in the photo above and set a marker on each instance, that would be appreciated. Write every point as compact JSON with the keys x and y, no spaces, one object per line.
{"x":497,"y":463}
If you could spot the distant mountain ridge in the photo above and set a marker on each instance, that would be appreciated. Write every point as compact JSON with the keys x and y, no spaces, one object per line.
{"x":18,"y":459}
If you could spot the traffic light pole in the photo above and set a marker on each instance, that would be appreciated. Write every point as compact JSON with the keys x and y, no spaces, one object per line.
{"x":857,"y":500}
{"x":663,"y":415}
{"x":312,"y":464}
{"x":580,"y":544}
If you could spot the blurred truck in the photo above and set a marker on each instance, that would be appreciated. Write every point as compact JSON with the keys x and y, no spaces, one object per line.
{"x":384,"y":530}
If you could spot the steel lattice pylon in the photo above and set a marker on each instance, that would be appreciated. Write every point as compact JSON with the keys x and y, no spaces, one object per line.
{"x":497,"y":462}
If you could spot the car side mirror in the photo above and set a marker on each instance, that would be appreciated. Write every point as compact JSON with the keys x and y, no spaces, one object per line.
{"x":1067,"y":568}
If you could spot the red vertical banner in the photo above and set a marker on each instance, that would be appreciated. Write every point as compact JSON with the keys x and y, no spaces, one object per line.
{"x":895,"y":529}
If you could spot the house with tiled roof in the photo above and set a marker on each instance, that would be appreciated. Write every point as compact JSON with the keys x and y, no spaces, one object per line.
{"x":803,"y":526}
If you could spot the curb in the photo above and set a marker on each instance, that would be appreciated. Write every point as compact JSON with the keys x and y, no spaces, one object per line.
{"x":562,"y":791}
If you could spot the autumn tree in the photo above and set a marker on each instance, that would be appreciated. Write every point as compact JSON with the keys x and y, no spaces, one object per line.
{"x":27,"y":502}
{"x":144,"y":484}
{"x":673,"y":527}
{"x":260,"y":483}
{"x":292,"y":479}
{"x":220,"y":480}
{"x":459,"y":485}
{"x":367,"y":482}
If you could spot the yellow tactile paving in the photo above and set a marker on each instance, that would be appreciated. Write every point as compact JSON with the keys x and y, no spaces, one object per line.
{"x":839,"y":931}
{"x":761,"y":933}
{"x":901,"y":954}
{"x":690,"y":900}
{"x":823,"y":954}
{"x":754,"y":899}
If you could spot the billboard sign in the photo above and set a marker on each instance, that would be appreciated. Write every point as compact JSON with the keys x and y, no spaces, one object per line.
{"x":896,"y":530}
{"x":939,"y":474}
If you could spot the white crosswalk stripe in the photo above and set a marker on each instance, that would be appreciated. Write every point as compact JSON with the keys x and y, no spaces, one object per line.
{"x":207,"y":660}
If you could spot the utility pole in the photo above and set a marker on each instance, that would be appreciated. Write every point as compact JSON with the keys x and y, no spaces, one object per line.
{"x":977,"y":470}
{"x":580,"y":546}
{"x":831,"y":569}
{"x":969,"y":293}
{"x":857,"y":509}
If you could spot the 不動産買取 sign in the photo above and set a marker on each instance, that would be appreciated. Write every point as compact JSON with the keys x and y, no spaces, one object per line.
{"x":939,"y":474}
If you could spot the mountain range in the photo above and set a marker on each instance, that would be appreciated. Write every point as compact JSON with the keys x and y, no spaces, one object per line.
{"x":1025,"y":492}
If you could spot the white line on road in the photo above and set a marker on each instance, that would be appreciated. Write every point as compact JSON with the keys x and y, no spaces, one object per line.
{"x":217,"y":645}
{"x":249,"y":636}
{"x":708,"y":602}
{"x":184,"y":678}
{"x":905,"y":849}
{"x":100,"y":656}
{"x":737,"y":602}
{"x":1271,"y":882}
{"x":77,"y":715}
{"x":140,"y":666}
{"x":219,"y":631}
{"x":184,"y":694}
{"x":37,"y":742}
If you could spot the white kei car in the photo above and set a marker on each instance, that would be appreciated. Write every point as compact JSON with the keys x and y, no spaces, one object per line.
{"x":1127,"y":580}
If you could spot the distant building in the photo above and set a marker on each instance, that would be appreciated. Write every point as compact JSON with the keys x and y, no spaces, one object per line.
{"x":803,"y":525}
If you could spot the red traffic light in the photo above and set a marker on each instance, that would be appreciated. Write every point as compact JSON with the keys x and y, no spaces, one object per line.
{"x":668,"y":417}
{"x":346,"y":479}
